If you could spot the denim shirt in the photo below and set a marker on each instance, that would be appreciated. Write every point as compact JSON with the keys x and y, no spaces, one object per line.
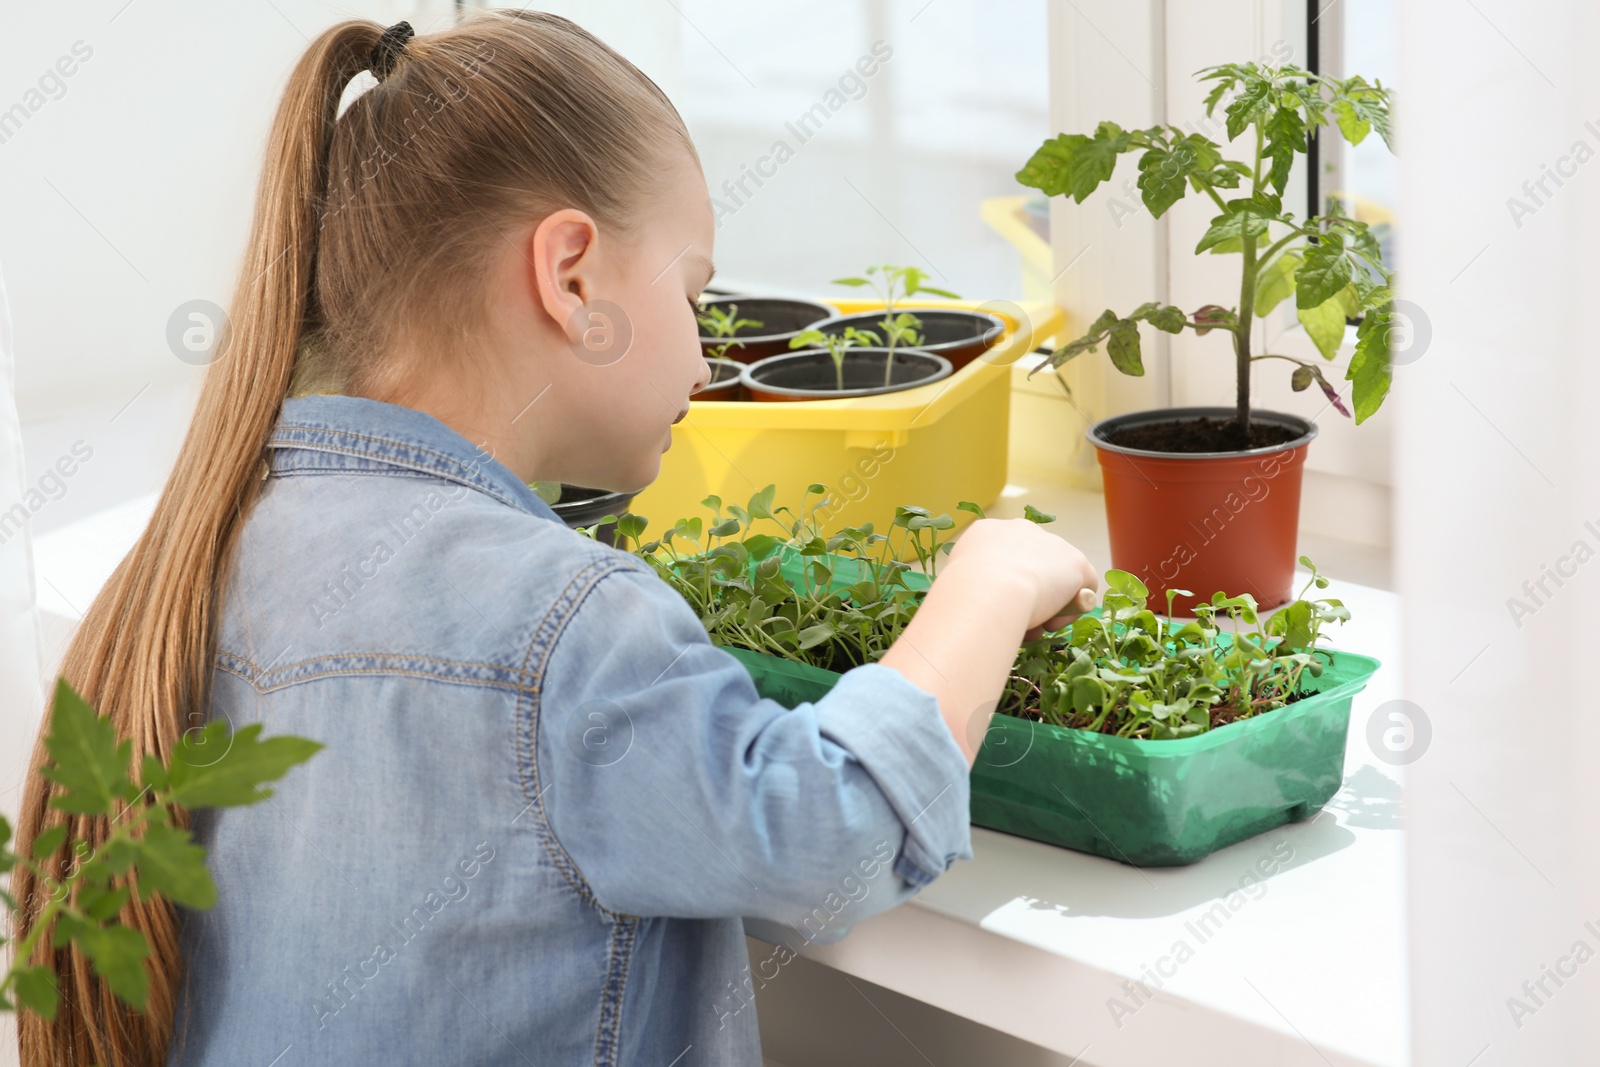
{"x":548,"y":807}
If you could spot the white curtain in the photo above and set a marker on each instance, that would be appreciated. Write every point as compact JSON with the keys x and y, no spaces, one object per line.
{"x":1497,"y":502}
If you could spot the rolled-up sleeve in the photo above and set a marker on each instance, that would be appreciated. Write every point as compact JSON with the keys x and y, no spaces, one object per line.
{"x":677,"y":790}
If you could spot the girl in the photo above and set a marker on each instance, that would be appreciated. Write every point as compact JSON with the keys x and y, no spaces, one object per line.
{"x":546,"y":799}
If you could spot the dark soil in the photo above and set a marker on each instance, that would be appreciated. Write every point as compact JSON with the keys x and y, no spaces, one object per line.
{"x":1201,"y":434}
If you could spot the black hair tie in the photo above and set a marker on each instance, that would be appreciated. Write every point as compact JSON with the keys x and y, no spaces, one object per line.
{"x":386,"y":53}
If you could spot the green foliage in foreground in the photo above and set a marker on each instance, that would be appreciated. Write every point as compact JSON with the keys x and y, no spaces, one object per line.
{"x":146,"y":851}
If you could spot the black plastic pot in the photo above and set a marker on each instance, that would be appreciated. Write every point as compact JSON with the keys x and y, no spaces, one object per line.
{"x":780,"y":317}
{"x":957,"y":334}
{"x":581,"y":506}
{"x":809,"y":374}
{"x":727,"y":382}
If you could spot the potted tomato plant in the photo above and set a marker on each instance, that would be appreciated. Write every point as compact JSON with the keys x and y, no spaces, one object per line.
{"x":958,"y":334}
{"x":1209,"y":498}
{"x":748,"y":328}
{"x":1125,"y":735}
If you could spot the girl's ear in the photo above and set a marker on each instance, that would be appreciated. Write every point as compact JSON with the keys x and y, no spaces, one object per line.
{"x":564,"y":252}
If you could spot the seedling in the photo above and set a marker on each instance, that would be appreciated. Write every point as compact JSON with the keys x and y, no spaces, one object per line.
{"x":723,"y":322}
{"x":893,"y":284}
{"x":1127,"y":672}
{"x":848,"y":602}
{"x":74,"y":890}
{"x":1329,"y":263}
{"x":837,"y":344}
{"x":1118,"y":670}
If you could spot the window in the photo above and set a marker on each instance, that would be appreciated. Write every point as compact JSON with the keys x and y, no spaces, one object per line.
{"x":1355,"y":37}
{"x":848,"y":132}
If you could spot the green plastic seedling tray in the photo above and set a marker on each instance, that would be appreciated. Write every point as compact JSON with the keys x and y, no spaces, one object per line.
{"x":1145,"y":803}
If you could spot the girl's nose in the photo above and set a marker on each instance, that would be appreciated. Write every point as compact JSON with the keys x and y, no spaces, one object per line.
{"x":705,"y":378}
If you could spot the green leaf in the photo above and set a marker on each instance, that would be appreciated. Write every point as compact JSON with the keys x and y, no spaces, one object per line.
{"x":632,"y":526}
{"x":118,"y":855}
{"x":219,"y":771}
{"x":1163,"y":176}
{"x":1127,"y":585}
{"x":1073,"y":163}
{"x":152,"y":772}
{"x":36,"y":990}
{"x":1370,"y":368}
{"x":761,"y":503}
{"x":813,"y":636}
{"x":967,"y":505}
{"x":1230,"y":226}
{"x":1297,"y":626}
{"x":1300,"y":380}
{"x":1164,"y":317}
{"x":1249,"y":105}
{"x":1286,"y":135}
{"x":760,"y":546}
{"x":1325,"y":271}
{"x":1366,"y":109}
{"x":1033,"y":514}
{"x":86,"y":761}
{"x":1123,"y":347}
{"x":171,"y":864}
{"x":1088,"y":694}
{"x":117,"y":954}
{"x":1276,"y":282}
{"x":1325,"y":323}
{"x":45,"y":845}
{"x":102,"y":902}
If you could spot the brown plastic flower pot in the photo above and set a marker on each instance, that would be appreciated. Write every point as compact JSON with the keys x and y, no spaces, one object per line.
{"x":1205,"y":521}
{"x":958,"y":335}
{"x":726,"y":381}
{"x":809,"y":374}
{"x":781,"y":319}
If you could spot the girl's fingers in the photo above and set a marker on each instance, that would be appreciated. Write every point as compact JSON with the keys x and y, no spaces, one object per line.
{"x":1084,"y":601}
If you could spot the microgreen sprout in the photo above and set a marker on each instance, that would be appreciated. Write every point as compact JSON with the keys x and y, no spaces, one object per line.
{"x":839,"y":600}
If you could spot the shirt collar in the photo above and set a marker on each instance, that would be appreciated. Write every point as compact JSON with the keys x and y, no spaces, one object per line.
{"x":329,"y":431}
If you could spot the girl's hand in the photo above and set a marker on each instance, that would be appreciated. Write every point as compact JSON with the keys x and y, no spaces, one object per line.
{"x":1058,"y":579}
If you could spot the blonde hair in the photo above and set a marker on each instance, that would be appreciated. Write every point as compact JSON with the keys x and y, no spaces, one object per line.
{"x":370,"y":227}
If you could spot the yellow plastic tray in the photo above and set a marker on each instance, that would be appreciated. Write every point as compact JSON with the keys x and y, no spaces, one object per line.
{"x":932,"y":446}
